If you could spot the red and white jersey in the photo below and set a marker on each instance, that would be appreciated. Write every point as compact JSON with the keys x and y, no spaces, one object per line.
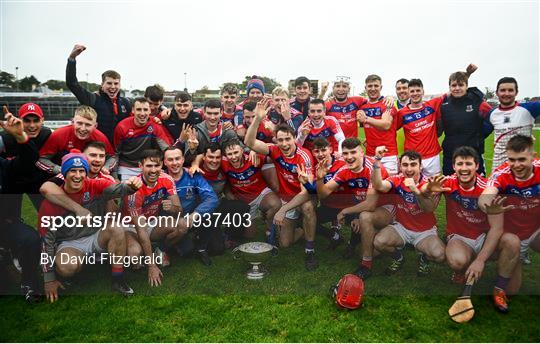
{"x":146,"y":201}
{"x":345,"y":113}
{"x":353,"y":186}
{"x":329,"y":129}
{"x":420,"y":127}
{"x":215,"y":136}
{"x":408,"y":211}
{"x":524,"y":220}
{"x":90,"y":192}
{"x":333,"y":200}
{"x":463,"y":216}
{"x":286,"y":168}
{"x":246,"y":182}
{"x":376,"y":137}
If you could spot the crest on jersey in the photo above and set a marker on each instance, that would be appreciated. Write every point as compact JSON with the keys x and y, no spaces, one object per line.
{"x":130,"y":132}
{"x":469,"y":108}
{"x":150,"y":129}
{"x":506,"y":119}
{"x":123,"y":107}
{"x":86,"y":197}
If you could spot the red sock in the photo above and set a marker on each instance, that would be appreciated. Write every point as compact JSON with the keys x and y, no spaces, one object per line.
{"x":368,"y":263}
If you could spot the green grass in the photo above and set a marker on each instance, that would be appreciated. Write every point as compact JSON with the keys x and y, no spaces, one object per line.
{"x":218,"y":304}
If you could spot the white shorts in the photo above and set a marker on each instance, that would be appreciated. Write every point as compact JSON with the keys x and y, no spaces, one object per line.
{"x":431,"y":166}
{"x":293,"y":214}
{"x":391,"y":209}
{"x":391,"y":164}
{"x":148,"y":229}
{"x":526,"y":243}
{"x":412,"y":237}
{"x":255,"y":204}
{"x":476,"y":245}
{"x":87,"y":245}
{"x":128,"y":172}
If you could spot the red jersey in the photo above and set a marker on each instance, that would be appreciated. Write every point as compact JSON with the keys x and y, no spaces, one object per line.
{"x":333,"y":200}
{"x":146,"y":201}
{"x":329,"y":129}
{"x":89,"y":193}
{"x":263,"y":133}
{"x":345,"y":113}
{"x":246,"y":182}
{"x":215,"y":136}
{"x":376,"y":137}
{"x":63,"y":140}
{"x":524,"y":220}
{"x":463,"y":216}
{"x":289,"y":186}
{"x":408,"y":212}
{"x":419,"y":127}
{"x":353,"y":186}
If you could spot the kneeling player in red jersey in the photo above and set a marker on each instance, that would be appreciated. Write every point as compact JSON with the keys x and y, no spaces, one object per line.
{"x":519,"y":181}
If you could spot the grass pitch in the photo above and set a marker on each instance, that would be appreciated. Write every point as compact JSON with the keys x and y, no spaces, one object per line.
{"x":218,"y":304}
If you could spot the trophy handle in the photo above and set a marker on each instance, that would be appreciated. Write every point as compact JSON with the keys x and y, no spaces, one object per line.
{"x":275,"y":251}
{"x":235,"y":253}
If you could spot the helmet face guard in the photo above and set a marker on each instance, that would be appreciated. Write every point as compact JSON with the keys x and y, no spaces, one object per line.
{"x":349,"y":292}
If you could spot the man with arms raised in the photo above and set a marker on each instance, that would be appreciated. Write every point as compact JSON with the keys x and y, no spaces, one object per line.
{"x":415,"y":223}
{"x":76,"y":242}
{"x":518,"y":180}
{"x":288,"y":159}
{"x":110,"y":107}
{"x":74,"y":136}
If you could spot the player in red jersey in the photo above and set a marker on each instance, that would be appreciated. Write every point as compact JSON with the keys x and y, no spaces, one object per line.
{"x":246,"y":184}
{"x":353,"y":181}
{"x":157,"y":195}
{"x":329,"y":207}
{"x":419,"y":122}
{"x":470,"y":241}
{"x":402,"y":94}
{"x":230,"y":112}
{"x":288,"y":159}
{"x":519,"y":183}
{"x":265,"y":133}
{"x":344,"y":108}
{"x":74,"y":136}
{"x":415,"y":222}
{"x":318,"y":125}
{"x":65,"y":247}
{"x":379,"y":125}
{"x":136,"y":134}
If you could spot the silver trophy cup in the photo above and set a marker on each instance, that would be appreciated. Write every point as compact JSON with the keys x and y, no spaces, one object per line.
{"x":255,"y":253}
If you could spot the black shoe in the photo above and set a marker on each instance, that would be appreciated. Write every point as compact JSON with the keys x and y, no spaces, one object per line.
{"x":122,"y":287}
{"x":204,"y":258}
{"x":349,"y":252}
{"x":394,"y":266}
{"x":362,"y":272}
{"x":423,"y":266}
{"x":334,"y":243}
{"x":30,"y":295}
{"x":310,"y":261}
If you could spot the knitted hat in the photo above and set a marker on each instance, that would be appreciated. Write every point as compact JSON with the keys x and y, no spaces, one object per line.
{"x":255,"y":83}
{"x":75,"y":159}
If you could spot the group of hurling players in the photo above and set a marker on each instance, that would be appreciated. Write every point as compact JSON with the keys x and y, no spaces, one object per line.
{"x":295,"y":160}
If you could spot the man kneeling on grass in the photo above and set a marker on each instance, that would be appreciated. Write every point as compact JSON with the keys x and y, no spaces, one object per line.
{"x":66,"y":247}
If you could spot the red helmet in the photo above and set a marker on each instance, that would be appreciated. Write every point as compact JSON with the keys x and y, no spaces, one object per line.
{"x":349,"y":291}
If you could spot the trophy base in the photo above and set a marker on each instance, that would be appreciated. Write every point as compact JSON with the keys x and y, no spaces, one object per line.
{"x":256,"y":272}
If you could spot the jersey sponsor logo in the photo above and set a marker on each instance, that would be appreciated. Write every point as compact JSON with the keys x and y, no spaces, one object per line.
{"x":323,"y":133}
{"x":358,"y":183}
{"x":245,"y":175}
{"x":285,"y":165}
{"x":407,"y":196}
{"x":415,"y":116}
{"x":155,"y":196}
{"x":469,"y":203}
{"x":373,"y":112}
{"x":344,"y":109}
{"x":528,"y":192}
{"x":329,"y":176}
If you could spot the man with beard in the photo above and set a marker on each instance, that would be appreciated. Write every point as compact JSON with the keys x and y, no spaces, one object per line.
{"x":402,"y":93}
{"x":198,"y":199}
{"x":415,"y":222}
{"x":518,"y":181}
{"x":74,"y":136}
{"x":182,"y":118}
{"x":76,"y":242}
{"x":357,"y":196}
{"x":247,"y":185}
{"x":344,"y":108}
{"x":109,"y":106}
{"x":136,"y":134}
{"x":288,"y":160}
{"x":379,"y":125}
{"x":470,"y":241}
{"x":318,"y":125}
{"x":510,"y":118}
